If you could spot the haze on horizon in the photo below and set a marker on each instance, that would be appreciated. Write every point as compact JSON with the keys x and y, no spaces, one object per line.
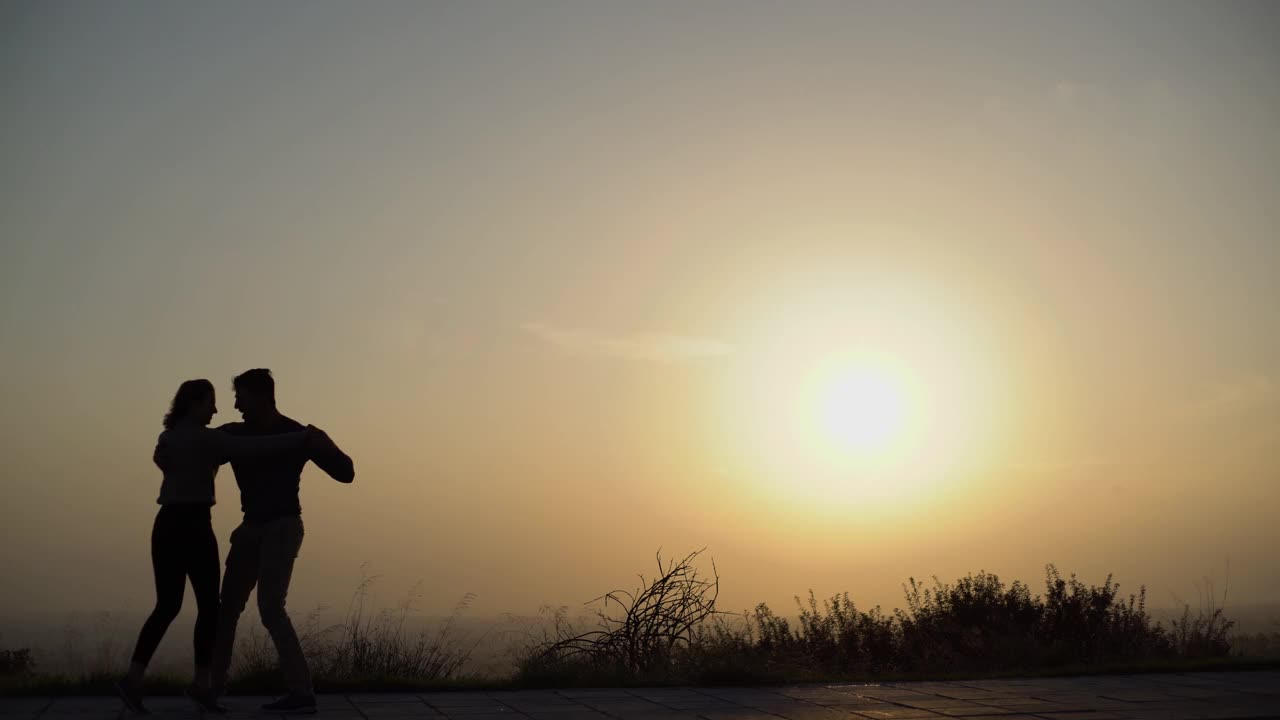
{"x":845,"y":292}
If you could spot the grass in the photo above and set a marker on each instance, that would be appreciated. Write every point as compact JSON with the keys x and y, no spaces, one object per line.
{"x":365,"y":648}
{"x":669,"y":631}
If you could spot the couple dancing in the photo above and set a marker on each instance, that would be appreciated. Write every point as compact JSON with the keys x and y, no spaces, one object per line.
{"x":267,"y":452}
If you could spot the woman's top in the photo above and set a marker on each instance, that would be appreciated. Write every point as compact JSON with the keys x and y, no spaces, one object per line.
{"x":196,"y":452}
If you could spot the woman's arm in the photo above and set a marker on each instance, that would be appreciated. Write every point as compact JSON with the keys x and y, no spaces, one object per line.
{"x":227,"y":447}
{"x":160,"y":456}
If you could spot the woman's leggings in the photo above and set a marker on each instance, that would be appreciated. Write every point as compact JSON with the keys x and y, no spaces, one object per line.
{"x":182,"y":546}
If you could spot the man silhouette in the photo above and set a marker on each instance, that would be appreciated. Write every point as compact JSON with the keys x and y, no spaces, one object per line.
{"x":264,"y":546}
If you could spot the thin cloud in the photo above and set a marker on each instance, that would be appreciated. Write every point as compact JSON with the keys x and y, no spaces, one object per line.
{"x":651,"y":347}
{"x":1238,"y":396}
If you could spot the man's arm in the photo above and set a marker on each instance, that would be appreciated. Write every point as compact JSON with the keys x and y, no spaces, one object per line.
{"x":329,"y":458}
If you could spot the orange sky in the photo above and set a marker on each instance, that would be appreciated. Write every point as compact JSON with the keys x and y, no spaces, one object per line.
{"x":565,"y":279}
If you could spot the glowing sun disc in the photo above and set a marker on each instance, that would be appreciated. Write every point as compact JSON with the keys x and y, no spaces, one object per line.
{"x":861,"y":411}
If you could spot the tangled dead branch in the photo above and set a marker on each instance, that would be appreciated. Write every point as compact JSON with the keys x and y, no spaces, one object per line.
{"x":647,"y":626}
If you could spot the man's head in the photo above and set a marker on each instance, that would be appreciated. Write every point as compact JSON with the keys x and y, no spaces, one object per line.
{"x":255,"y":393}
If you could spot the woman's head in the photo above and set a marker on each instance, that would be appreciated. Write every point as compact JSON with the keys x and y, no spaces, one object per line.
{"x":194,"y":402}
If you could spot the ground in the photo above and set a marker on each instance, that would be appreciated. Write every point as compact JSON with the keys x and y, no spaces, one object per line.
{"x":1170,"y":696}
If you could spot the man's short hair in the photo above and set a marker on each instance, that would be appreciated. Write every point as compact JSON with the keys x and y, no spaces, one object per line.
{"x":257,"y":381}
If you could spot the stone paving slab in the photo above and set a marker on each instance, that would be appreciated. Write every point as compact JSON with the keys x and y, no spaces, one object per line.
{"x":1182,"y":696}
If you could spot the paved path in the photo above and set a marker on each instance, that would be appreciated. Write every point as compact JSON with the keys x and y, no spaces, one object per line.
{"x":1188,"y":696}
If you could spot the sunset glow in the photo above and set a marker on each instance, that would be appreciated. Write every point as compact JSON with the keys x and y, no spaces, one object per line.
{"x":845,"y":292}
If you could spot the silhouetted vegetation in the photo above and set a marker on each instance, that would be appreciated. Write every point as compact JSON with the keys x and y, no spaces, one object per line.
{"x":15,"y":663}
{"x":669,"y":630}
{"x":976,"y":625}
{"x":649,"y":627}
{"x":1255,"y":645}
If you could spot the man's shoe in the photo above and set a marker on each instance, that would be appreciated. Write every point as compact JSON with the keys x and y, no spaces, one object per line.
{"x":205,"y":700}
{"x":293,"y":704}
{"x":132,"y":697}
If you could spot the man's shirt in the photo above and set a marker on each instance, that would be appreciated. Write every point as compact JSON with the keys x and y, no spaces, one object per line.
{"x":269,"y":483}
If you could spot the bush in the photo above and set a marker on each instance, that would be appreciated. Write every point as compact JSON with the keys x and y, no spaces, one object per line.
{"x":655,"y":622}
{"x":669,"y":630}
{"x":16,"y":662}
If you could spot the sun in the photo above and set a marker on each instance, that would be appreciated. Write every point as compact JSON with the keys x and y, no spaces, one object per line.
{"x":858,"y":398}
{"x":860,"y":410}
{"x":856,"y":412}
